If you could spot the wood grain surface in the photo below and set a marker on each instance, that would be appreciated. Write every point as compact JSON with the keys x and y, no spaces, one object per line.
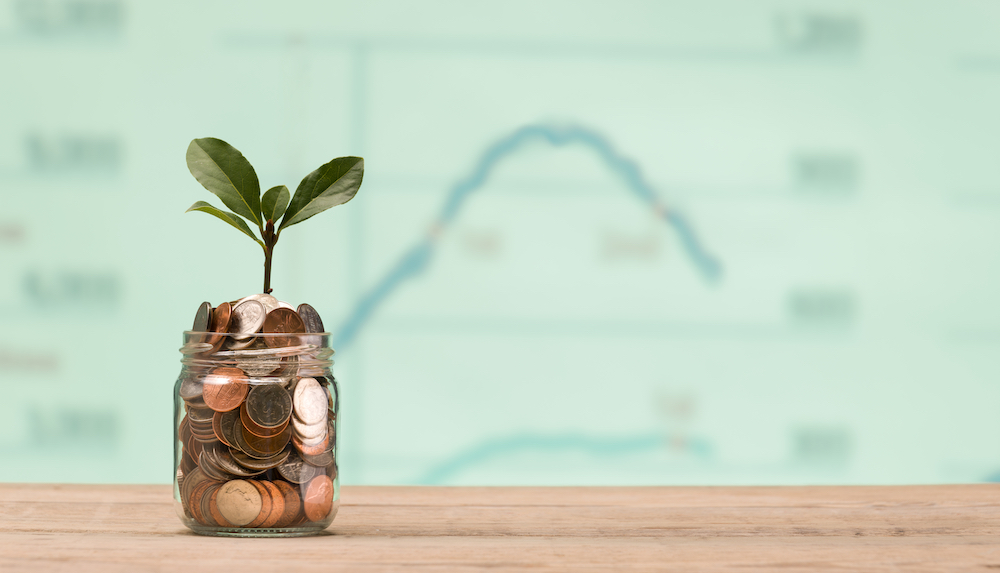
{"x":83,"y":528}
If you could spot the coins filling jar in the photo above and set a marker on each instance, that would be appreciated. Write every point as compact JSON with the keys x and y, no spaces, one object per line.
{"x":255,"y":433}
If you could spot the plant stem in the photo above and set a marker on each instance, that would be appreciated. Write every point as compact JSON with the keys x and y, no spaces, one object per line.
{"x":270,"y":238}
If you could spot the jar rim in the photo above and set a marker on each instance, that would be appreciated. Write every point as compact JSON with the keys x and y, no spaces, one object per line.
{"x":255,"y":334}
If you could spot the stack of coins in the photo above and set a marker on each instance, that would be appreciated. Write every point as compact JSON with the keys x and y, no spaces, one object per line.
{"x":258,"y":435}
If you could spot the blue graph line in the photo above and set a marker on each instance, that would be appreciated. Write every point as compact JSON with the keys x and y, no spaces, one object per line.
{"x":417,"y":259}
{"x":534,"y":443}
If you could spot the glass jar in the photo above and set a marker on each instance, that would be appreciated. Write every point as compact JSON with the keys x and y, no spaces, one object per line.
{"x":255,"y":434}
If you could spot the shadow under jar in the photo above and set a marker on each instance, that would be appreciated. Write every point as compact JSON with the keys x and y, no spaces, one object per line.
{"x":255,"y":434}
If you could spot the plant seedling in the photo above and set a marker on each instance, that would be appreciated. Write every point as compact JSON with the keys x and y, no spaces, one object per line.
{"x":223,"y":170}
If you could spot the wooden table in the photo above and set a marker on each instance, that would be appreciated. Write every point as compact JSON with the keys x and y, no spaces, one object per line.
{"x":106,"y":528}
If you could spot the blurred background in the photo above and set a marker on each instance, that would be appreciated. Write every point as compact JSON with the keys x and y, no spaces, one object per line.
{"x":723,"y":242}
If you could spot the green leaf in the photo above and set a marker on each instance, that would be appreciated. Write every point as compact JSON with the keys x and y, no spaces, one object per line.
{"x":274,"y":201}
{"x":332,"y":184}
{"x":223,"y":170}
{"x":226,"y":216}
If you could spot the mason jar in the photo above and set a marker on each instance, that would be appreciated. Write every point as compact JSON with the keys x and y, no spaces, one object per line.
{"x":255,"y":434}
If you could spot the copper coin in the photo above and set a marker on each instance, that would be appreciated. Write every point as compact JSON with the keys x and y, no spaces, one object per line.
{"x":195,"y":447}
{"x":228,"y":418}
{"x":242,"y":444}
{"x":195,"y":505}
{"x":239,"y":502}
{"x":217,"y":428}
{"x":277,"y":504}
{"x":318,"y":499}
{"x":183,"y":430}
{"x":265,"y":504}
{"x":206,"y":512}
{"x":293,"y":503}
{"x":220,"y":323}
{"x":255,"y":429}
{"x":191,"y":479}
{"x":258,"y":465}
{"x":269,"y":446}
{"x":213,"y":507}
{"x":269,"y":406}
{"x":282,"y":321}
{"x":311,"y":450}
{"x":187,"y":462}
{"x":225,"y":389}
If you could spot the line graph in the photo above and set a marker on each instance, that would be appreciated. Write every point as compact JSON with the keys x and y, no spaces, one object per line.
{"x":598,"y":446}
{"x":418,"y":258}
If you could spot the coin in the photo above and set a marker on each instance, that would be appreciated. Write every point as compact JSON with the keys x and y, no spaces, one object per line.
{"x":226,"y":463}
{"x":260,"y":465}
{"x":221,"y":317}
{"x":256,"y":429}
{"x":239,"y":502}
{"x":233,"y":344}
{"x":213,"y":507}
{"x":282,"y":321}
{"x":310,"y":401}
{"x":265,"y":504}
{"x":277,"y":504}
{"x":242,"y":444}
{"x":217,"y":428}
{"x":225,"y":389}
{"x":248,"y":317}
{"x":258,"y":365}
{"x":293,"y":503}
{"x":318,"y":499}
{"x":200,"y":414}
{"x":226,"y":422}
{"x":202,"y":318}
{"x":190,"y":481}
{"x":210,"y":469}
{"x":310,"y":319}
{"x":311,"y":450}
{"x":269,"y":406}
{"x":190,"y":388}
{"x":194,"y":504}
{"x":267,"y":301}
{"x":206,"y":512}
{"x":297,"y":471}
{"x":322,"y":460}
{"x":267,"y":446}
{"x":306,"y":431}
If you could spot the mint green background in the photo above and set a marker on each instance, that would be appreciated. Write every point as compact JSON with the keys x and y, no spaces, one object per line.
{"x":839,"y":158}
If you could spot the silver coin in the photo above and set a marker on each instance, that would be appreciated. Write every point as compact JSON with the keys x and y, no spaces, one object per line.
{"x":247,"y":318}
{"x":206,"y":464}
{"x":269,"y":302}
{"x":227,"y":463}
{"x":257,"y":366}
{"x":321,"y":461}
{"x":283,"y":304}
{"x":191,"y":388}
{"x":309,"y":401}
{"x":310,"y":442}
{"x":308,"y":431}
{"x":202,"y":317}
{"x":233,"y":344}
{"x":295,"y":470}
{"x":310,"y":318}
